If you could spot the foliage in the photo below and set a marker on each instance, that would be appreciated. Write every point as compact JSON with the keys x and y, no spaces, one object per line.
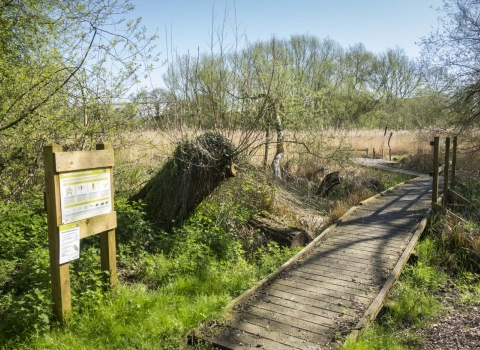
{"x":452,"y":52}
{"x":55,"y":86}
{"x":186,"y":276}
{"x":316,"y":82}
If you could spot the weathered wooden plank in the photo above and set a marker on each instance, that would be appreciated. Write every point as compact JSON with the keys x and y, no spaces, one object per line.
{"x":458,"y":197}
{"x":342,"y":274}
{"x":332,"y":310}
{"x":234,"y":339}
{"x":275,"y":336}
{"x":310,"y":307}
{"x":312,"y":292}
{"x":367,"y":243}
{"x":394,"y":236}
{"x":278,"y":326}
{"x":326,"y":248}
{"x":78,"y":160}
{"x":375,"y":261}
{"x":372,"y":243}
{"x":96,"y":224}
{"x":334,"y":294}
{"x":371,"y":220}
{"x":353,"y":279}
{"x":272,"y":316}
{"x":366,"y":274}
{"x":366,"y":256}
{"x":289,"y":312}
{"x":320,"y":281}
{"x":365,"y":247}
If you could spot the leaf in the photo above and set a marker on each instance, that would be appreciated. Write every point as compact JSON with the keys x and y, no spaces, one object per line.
{"x":44,"y":318}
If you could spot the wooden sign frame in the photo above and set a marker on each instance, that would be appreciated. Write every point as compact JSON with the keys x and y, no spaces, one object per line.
{"x":55,"y":163}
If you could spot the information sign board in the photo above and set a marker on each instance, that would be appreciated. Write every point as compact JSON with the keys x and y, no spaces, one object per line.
{"x":69,"y":242}
{"x":84,"y":194}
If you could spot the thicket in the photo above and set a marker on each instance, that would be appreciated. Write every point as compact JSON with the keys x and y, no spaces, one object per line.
{"x":315,"y":82}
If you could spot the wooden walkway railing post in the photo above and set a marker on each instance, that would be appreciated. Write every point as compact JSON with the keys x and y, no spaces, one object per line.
{"x":436,"y":147}
{"x":454,"y":162}
{"x":446,"y":171}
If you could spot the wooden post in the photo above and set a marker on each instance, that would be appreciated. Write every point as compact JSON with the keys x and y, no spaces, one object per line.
{"x":436,"y":146}
{"x":454,"y":162}
{"x":60,"y":274}
{"x":445,"y":171}
{"x":373,"y":154}
{"x":108,"y":259}
{"x":389,"y":147}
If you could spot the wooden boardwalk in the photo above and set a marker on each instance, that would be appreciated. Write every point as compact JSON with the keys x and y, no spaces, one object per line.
{"x":339,"y":282}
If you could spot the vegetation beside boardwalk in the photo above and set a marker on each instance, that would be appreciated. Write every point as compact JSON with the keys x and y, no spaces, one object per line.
{"x":170,"y":282}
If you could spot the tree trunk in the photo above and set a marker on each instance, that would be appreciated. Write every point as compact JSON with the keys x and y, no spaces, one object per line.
{"x":280,"y":150}
{"x":267,"y":146}
{"x":329,"y":182}
{"x":284,"y":236}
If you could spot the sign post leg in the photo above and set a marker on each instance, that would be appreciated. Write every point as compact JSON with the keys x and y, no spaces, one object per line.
{"x":107,"y":239}
{"x":60,"y":274}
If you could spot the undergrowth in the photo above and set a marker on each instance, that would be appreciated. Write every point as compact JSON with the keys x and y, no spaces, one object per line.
{"x":170,"y":282}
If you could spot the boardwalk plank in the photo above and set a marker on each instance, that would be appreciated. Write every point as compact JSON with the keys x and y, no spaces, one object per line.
{"x":326,"y":292}
{"x":332,"y":310}
{"x":272,"y":325}
{"x":369,"y":244}
{"x":317,"y":274}
{"x":312,"y":293}
{"x":341,"y":258}
{"x":275,"y":336}
{"x":294,"y":304}
{"x":271,"y":316}
{"x":331,"y":287}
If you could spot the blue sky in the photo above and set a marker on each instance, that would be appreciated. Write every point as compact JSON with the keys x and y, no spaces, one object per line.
{"x":379,"y":24}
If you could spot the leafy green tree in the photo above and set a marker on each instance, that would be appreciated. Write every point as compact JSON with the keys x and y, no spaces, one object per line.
{"x":54,"y":82}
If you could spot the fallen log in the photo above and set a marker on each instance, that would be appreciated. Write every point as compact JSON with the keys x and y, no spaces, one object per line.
{"x":284,"y":236}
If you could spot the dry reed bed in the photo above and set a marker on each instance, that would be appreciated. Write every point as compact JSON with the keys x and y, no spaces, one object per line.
{"x":150,"y":147}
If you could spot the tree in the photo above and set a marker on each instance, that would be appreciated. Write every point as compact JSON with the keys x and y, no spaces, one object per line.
{"x":453,"y":50}
{"x":62,"y":65}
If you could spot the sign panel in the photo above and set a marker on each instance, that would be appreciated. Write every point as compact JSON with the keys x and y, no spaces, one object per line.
{"x":84,"y":194}
{"x":69,"y":243}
